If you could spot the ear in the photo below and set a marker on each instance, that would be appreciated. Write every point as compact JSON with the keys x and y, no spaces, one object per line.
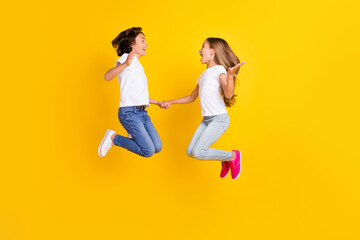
{"x":212,"y":51}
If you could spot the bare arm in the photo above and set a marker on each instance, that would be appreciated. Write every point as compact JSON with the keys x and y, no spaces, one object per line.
{"x":228,"y":82}
{"x":113,"y":72}
{"x":152,"y":101}
{"x":187,"y":99}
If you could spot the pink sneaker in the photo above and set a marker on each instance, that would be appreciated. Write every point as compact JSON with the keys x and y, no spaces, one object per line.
{"x":235,"y":165}
{"x":224,"y":169}
{"x":106,"y":143}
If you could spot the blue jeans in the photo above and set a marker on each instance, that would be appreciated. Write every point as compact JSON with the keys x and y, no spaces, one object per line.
{"x":137,"y":123}
{"x":211,"y":128}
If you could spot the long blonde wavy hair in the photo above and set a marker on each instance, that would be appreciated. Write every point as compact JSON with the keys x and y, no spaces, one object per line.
{"x":226,"y":57}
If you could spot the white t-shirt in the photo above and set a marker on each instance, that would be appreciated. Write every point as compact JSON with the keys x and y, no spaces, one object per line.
{"x":211,"y":101}
{"x":133,"y":84}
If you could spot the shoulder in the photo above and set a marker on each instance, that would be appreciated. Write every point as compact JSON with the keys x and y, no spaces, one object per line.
{"x":221,"y":69}
{"x":122,"y":59}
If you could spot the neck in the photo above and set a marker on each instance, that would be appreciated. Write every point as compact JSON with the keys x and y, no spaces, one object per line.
{"x":211,"y":63}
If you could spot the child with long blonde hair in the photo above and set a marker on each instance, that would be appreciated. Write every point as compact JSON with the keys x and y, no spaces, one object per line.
{"x":215,"y":88}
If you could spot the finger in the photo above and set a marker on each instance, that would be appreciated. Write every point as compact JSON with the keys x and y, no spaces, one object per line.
{"x":238,"y":66}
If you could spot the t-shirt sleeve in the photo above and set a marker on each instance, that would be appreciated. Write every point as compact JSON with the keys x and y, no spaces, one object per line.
{"x":121,"y":60}
{"x":221,"y":71}
{"x":198,"y":80}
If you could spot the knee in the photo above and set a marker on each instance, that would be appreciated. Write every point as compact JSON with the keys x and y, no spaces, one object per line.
{"x":158,"y":148}
{"x":148,"y":152}
{"x":189,"y":152}
{"x":197,"y":154}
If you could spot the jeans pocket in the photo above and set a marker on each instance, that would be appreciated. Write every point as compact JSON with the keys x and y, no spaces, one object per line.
{"x":126,"y":123}
{"x":126,"y":115}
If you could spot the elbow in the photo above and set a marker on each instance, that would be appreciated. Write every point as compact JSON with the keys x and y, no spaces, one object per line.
{"x":106,"y":77}
{"x":192,"y":99}
{"x":229,"y":95}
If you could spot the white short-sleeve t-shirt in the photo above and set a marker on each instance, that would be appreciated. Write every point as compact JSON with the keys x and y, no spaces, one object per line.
{"x":133,"y":84}
{"x":211,"y":101}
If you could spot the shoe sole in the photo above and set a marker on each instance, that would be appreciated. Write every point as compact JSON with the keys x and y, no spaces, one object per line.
{"x":102,"y":142}
{"x":240,"y":168}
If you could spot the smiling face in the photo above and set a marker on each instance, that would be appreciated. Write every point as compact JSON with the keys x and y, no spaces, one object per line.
{"x":207,"y":54}
{"x":140,"y":45}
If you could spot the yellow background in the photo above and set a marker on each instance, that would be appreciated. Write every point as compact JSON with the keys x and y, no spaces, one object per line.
{"x":296,"y":122}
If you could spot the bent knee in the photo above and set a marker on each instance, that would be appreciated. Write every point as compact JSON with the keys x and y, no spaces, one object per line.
{"x":197,"y":154}
{"x":148,"y":152}
{"x":189,"y":152}
{"x":158,"y":148}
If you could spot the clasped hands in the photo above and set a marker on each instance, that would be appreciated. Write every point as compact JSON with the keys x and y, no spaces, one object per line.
{"x":164,"y":104}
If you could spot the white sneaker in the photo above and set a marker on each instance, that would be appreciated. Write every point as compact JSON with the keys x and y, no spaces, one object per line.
{"x":106,"y":143}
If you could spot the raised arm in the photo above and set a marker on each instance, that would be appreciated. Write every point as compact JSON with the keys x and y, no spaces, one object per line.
{"x":187,"y":99}
{"x":113,"y":72}
{"x":228,"y":82}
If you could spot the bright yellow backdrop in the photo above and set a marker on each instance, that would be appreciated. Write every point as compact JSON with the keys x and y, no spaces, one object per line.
{"x":296,"y":122}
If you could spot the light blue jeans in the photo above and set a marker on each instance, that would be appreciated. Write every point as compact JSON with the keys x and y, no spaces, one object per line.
{"x":209,"y":131}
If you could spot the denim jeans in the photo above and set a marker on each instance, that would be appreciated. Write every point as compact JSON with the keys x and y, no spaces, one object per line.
{"x":137,"y":123}
{"x":210,"y":130}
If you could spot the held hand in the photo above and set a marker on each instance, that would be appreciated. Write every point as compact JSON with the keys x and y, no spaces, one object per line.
{"x":164,"y":104}
{"x":160,"y":103}
{"x":130,"y":58}
{"x":167,"y":105}
{"x":231,"y":71}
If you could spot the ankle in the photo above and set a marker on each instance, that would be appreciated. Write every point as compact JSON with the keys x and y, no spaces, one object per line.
{"x":233,"y":156}
{"x":113,"y":137}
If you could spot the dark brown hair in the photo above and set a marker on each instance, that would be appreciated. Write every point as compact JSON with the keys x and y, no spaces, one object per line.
{"x":226,"y":57}
{"x":125,"y":39}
